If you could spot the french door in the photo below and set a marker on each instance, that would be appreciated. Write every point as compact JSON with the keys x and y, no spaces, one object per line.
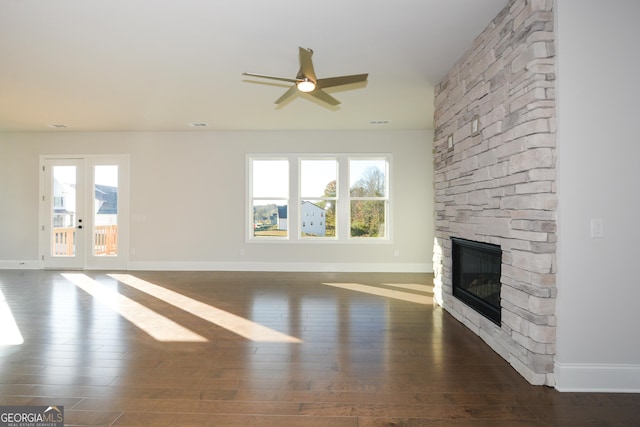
{"x":84,"y":212}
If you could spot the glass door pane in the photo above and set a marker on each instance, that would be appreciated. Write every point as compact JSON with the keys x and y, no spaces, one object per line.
{"x":105,"y":206}
{"x":64,"y":212}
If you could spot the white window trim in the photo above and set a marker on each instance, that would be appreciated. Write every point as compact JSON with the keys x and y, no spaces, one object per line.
{"x":343,"y":235}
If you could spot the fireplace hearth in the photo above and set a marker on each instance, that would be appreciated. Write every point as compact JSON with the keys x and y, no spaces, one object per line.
{"x":476,"y":272}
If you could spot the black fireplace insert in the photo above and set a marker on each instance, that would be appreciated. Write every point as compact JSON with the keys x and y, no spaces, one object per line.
{"x":476,"y":272}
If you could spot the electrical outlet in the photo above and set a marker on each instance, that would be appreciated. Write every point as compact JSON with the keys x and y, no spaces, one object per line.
{"x":597,"y":228}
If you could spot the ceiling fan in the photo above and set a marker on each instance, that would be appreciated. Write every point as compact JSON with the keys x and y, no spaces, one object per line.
{"x":307,"y":82}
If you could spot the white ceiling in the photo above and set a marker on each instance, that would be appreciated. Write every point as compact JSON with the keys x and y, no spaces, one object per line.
{"x":109,"y":65}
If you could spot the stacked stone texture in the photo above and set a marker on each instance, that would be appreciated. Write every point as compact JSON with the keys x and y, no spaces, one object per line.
{"x":497,"y":184}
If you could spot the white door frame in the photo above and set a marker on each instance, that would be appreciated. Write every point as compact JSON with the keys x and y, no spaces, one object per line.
{"x":89,"y":261}
{"x":74,"y":197}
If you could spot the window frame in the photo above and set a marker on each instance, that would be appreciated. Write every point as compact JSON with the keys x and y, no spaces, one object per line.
{"x":251,"y":198}
{"x":385,"y":199}
{"x":311,"y":198}
{"x":342,"y":200}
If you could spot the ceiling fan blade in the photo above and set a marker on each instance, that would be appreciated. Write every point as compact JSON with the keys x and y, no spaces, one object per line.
{"x":341,"y":80}
{"x":324,"y":96}
{"x":265,"y":76}
{"x":288,"y":94}
{"x":306,"y":65}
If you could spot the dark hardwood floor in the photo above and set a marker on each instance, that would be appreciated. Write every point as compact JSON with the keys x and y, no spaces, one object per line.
{"x":264,"y":349}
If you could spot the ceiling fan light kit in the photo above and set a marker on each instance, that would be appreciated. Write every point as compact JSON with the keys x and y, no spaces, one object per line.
{"x":306,"y":85}
{"x":307,"y":82}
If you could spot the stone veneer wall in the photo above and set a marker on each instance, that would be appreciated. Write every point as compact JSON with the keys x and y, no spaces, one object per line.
{"x":496,"y":184}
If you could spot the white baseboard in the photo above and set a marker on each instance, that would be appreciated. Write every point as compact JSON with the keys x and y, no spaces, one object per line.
{"x":21,"y":265}
{"x":248,"y":266}
{"x":282,"y":266}
{"x":597,"y":378}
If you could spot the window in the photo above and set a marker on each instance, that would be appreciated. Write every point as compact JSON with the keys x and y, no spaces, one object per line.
{"x":348,"y":195}
{"x":368,"y":197}
{"x":270,"y":198}
{"x":318,"y":182}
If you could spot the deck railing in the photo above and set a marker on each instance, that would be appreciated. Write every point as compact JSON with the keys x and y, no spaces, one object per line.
{"x":105,"y":240}
{"x":63,"y":241}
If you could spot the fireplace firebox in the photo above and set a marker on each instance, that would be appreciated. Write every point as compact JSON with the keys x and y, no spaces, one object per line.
{"x":476,"y":272}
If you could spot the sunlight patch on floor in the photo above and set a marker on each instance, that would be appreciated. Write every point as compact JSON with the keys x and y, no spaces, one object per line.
{"x":410,"y":286}
{"x":154,"y":324}
{"x":9,"y":331}
{"x":233,"y":323}
{"x":387,"y":293}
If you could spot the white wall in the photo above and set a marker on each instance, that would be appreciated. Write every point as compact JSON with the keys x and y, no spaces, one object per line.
{"x":191,"y":187}
{"x":598,"y":302}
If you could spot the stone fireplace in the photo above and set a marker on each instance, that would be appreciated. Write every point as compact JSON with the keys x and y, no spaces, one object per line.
{"x":495,"y":182}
